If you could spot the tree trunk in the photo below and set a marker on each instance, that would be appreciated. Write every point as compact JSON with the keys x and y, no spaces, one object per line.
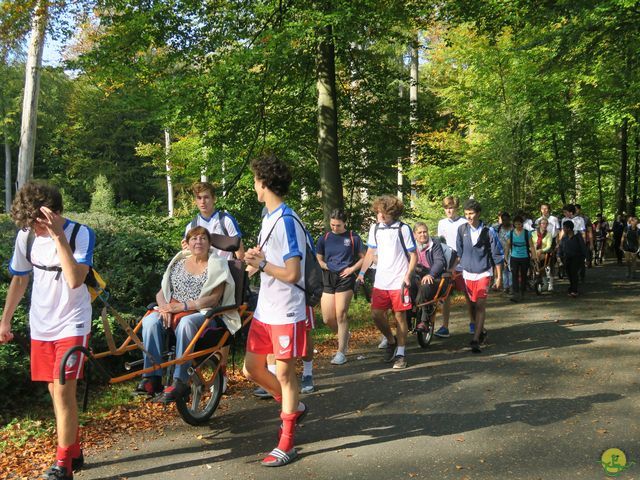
{"x":400,"y":176}
{"x":7,"y":172}
{"x":330,"y":180}
{"x":600,"y":195}
{"x":167,"y":151}
{"x":31,"y":92}
{"x":634,"y":201}
{"x":413,"y":112}
{"x":624,"y":161}
{"x":556,"y":157}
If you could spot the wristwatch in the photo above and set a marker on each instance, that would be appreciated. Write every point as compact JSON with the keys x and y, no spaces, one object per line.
{"x":262,"y":265}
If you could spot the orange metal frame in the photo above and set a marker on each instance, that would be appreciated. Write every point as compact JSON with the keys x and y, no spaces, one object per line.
{"x":188,"y":354}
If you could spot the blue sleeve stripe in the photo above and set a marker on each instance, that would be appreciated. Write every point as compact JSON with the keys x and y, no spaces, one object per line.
{"x":88,"y":258}
{"x":371,"y":246}
{"x":235,"y":224}
{"x":17,"y":272}
{"x":292,"y":238}
{"x":291,"y":255}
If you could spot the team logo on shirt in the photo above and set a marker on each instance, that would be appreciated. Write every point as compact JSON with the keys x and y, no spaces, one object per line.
{"x":347,"y":242}
{"x":284,"y":341}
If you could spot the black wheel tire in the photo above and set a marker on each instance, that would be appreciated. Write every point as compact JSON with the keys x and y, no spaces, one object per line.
{"x":425,"y":337}
{"x":538,"y":288}
{"x":561,"y":273}
{"x":199,"y":405}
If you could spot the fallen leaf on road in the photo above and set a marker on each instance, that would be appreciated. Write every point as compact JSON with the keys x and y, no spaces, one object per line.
{"x":601,"y":431}
{"x":460,"y":439}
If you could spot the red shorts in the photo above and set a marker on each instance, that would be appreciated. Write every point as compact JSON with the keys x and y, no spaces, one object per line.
{"x":458,"y":283}
{"x":284,"y":341}
{"x":389,"y":299}
{"x":47,"y":355}
{"x":477,"y":289}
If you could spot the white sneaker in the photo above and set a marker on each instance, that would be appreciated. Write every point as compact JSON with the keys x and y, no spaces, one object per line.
{"x":339,"y":358}
{"x":383,"y":344}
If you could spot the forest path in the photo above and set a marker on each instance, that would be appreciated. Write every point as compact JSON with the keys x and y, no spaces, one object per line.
{"x":555,"y":387}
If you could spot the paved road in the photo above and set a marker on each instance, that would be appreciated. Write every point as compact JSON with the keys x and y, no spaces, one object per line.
{"x":556,"y":386}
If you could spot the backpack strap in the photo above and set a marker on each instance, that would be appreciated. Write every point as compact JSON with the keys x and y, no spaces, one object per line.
{"x":30,"y":239}
{"x":74,"y":234}
{"x":221,"y":216}
{"x":353,"y":247}
{"x":487,"y":244}
{"x":72,"y":244}
{"x":404,"y":247}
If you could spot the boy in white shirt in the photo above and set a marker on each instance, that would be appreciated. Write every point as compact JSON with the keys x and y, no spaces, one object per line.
{"x":392,"y":243}
{"x":279,"y":322}
{"x":448,"y":229}
{"x":60,"y":313}
{"x":216,"y":221}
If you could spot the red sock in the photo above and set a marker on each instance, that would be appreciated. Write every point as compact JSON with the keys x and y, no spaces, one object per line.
{"x":63,"y":458}
{"x":75,"y":448}
{"x":288,"y":428}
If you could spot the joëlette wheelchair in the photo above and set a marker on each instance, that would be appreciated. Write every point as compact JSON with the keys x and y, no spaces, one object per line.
{"x":205,"y":380}
{"x":538,"y":270}
{"x":430,"y":309}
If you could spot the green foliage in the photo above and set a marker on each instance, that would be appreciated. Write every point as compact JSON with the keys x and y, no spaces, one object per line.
{"x":102,"y":198}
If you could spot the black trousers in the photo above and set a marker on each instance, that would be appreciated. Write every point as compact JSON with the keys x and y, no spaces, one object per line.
{"x":573,"y":266}
{"x":519,"y":269}
{"x":617,"y":242}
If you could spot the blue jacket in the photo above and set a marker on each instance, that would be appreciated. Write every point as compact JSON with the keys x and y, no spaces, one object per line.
{"x":484,"y":255}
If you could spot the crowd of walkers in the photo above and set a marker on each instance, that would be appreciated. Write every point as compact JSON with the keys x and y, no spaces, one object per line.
{"x":406,"y":265}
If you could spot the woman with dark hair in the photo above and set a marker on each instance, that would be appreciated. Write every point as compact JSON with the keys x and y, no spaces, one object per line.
{"x":340,"y":254}
{"x":517,"y":254}
{"x":195,"y":280}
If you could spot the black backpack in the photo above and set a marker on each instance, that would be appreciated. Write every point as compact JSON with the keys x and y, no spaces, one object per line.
{"x":313,"y":285}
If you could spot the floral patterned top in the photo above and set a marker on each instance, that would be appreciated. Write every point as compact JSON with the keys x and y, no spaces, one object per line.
{"x":184,"y":285}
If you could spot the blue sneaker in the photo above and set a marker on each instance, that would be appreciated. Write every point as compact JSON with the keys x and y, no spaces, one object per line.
{"x":307,"y":384}
{"x":472,"y":328}
{"x":442,"y":332}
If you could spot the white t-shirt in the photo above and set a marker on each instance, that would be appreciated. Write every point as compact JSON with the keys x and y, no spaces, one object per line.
{"x":57,"y":311}
{"x":392,"y":261}
{"x":578,"y":224}
{"x":281,"y":303}
{"x":213,"y":225}
{"x":552,"y":227}
{"x":449,"y":230}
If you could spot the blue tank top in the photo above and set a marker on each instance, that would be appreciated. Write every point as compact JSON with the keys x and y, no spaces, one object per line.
{"x":519,"y":244}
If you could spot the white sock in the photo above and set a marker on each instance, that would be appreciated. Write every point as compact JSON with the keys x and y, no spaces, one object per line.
{"x":307,"y":368}
{"x":400,"y":350}
{"x":272,"y":368}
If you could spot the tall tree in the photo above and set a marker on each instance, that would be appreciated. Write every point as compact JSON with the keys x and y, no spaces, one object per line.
{"x":330,"y":180}
{"x":31,"y":92}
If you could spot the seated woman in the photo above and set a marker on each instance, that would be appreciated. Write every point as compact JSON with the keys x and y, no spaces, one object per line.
{"x":431,"y":265}
{"x":541,"y":246}
{"x":195,"y":280}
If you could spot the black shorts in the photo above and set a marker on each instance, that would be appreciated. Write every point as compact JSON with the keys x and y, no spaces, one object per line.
{"x":334,"y":283}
